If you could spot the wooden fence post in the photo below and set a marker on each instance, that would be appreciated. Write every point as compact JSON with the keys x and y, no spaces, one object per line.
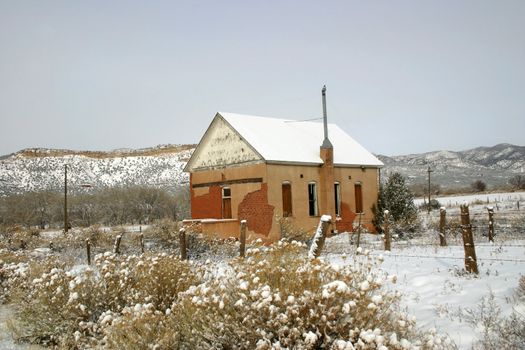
{"x":116,"y":246}
{"x":442,"y":223}
{"x":182,"y":243}
{"x":88,"y":251}
{"x":141,"y":237}
{"x":386,"y":228}
{"x":319,"y":237}
{"x":491,"y":224}
{"x":471,"y":264}
{"x":242,"y":238}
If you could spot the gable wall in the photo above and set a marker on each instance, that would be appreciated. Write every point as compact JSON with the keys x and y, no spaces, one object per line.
{"x":221,"y":147}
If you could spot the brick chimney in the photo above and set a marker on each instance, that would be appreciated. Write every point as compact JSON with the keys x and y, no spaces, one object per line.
{"x":327,"y":196}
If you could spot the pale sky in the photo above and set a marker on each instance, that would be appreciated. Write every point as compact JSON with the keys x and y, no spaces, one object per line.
{"x":402,"y":76}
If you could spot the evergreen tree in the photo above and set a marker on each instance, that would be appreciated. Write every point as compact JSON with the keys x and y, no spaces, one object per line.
{"x":395,"y":197}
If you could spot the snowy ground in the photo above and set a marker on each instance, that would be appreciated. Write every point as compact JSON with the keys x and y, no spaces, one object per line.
{"x":432,"y":281}
{"x":511,"y":198}
{"x":432,"y":278}
{"x":6,"y":342}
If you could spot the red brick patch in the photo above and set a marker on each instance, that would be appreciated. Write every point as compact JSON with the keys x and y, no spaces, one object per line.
{"x":255,"y":209}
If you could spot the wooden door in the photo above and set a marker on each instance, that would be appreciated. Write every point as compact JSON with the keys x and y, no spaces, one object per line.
{"x":287,"y":199}
{"x":358,"y":198}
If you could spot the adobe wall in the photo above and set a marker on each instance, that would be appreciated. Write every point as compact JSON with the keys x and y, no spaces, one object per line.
{"x":249,"y":200}
{"x":260,"y":203}
{"x":347,"y":177}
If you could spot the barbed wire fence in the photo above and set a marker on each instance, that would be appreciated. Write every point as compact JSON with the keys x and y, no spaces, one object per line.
{"x":508,"y":225}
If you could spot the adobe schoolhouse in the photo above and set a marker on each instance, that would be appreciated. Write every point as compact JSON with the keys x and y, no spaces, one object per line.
{"x":264,"y":169}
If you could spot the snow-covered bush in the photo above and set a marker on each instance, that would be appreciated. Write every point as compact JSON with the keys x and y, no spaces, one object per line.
{"x":277,"y":299}
{"x":497,"y":332}
{"x":521,"y":288}
{"x":72,"y":306}
{"x":165,"y":230}
{"x":199,"y":246}
{"x":291,"y":232}
{"x":13,"y":269}
{"x":274,"y":298}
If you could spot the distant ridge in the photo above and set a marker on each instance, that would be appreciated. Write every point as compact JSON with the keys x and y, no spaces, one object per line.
{"x":494,"y":165}
{"x":123,"y":152}
{"x":41,"y":169}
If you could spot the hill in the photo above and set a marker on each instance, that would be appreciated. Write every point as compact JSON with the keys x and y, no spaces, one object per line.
{"x":493,"y":165}
{"x":40,"y":169}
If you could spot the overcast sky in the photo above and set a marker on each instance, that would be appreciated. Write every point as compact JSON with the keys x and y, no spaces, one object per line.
{"x":402,"y":76}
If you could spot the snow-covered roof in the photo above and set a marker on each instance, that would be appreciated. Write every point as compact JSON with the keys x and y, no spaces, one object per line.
{"x":286,"y":140}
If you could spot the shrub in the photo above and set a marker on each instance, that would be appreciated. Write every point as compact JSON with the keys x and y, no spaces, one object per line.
{"x":395,"y":197}
{"x":13,"y":268}
{"x":165,"y":230}
{"x":275,"y":298}
{"x":291,"y":232}
{"x":478,"y":186}
{"x":434,"y":204}
{"x":71,"y":307}
{"x":506,"y":333}
{"x":521,"y":287}
{"x":517,"y":182}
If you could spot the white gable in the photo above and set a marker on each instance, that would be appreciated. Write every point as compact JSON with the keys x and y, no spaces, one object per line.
{"x":285,"y":140}
{"x":221,"y":146}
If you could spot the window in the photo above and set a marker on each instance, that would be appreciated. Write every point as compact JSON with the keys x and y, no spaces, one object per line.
{"x":358,"y":198}
{"x":226,"y":203}
{"x":287,"y":199}
{"x":312,"y":199}
{"x":337,"y":197}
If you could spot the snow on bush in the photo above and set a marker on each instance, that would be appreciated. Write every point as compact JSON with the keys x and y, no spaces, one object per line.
{"x":72,"y":306}
{"x":275,"y":298}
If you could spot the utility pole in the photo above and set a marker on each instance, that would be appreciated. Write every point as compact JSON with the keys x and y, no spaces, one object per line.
{"x":65,"y":200}
{"x":429,"y":171}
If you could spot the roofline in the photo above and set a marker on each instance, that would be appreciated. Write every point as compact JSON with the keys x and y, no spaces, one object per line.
{"x":338,"y":165}
{"x":284,"y":162}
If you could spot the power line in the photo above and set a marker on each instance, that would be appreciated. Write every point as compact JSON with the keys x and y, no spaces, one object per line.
{"x":303,"y":120}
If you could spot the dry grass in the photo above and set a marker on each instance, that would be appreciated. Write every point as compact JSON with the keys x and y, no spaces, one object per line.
{"x":291,"y":232}
{"x":274,"y":297}
{"x":71,"y":307}
{"x":497,"y":332}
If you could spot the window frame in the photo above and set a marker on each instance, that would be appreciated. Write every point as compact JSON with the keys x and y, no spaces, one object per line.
{"x":312,"y":199}
{"x":226,"y":199}
{"x":337,"y":198}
